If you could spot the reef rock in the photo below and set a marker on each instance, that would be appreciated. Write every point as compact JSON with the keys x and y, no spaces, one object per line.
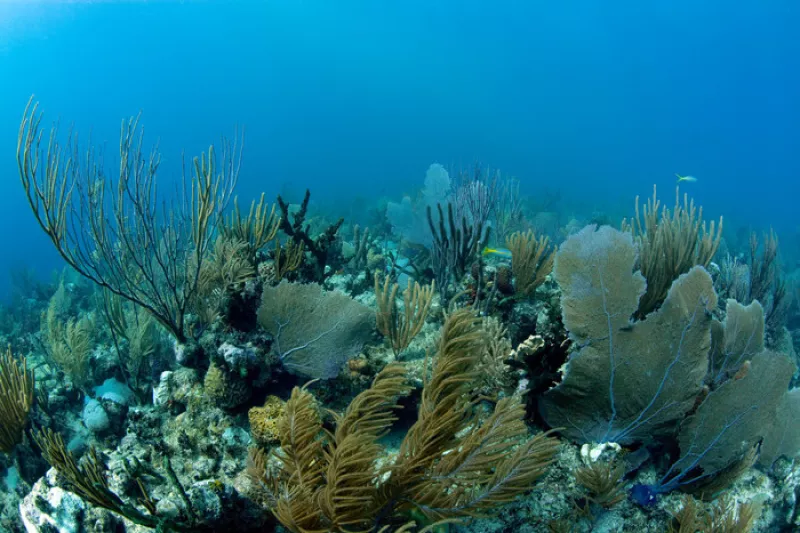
{"x":49,"y":506}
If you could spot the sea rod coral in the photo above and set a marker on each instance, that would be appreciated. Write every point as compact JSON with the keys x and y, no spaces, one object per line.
{"x":116,"y":231}
{"x":327,"y":481}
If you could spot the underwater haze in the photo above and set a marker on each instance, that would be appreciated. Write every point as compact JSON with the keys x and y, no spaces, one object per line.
{"x":595,"y":101}
{"x":382,"y":266}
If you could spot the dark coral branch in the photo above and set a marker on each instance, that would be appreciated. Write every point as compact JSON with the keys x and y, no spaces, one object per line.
{"x":318,"y":247}
{"x":455,"y":247}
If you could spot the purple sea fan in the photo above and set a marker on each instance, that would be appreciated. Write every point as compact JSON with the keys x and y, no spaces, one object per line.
{"x":627,"y":381}
{"x":315,"y":331}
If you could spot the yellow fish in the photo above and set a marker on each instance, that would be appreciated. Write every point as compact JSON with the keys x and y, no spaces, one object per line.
{"x":687,"y":179}
{"x":502,"y":252}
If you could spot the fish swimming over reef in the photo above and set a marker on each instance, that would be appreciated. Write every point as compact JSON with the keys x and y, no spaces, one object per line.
{"x":687,"y":179}
{"x":502,"y":252}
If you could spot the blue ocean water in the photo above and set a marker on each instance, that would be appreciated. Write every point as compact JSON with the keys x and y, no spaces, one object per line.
{"x":595,"y":101}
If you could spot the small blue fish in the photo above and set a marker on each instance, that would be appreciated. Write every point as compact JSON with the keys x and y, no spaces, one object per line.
{"x":687,"y":179}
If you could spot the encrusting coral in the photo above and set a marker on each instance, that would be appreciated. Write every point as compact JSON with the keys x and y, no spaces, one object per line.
{"x":224,"y":388}
{"x":264,"y":421}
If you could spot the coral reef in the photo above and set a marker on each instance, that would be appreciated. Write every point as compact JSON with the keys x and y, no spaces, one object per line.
{"x":278,"y":368}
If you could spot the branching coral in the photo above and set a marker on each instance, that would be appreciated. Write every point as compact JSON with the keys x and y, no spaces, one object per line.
{"x":401,"y":326}
{"x":764,"y":273}
{"x":759,"y":279}
{"x":256,"y":229}
{"x":287,"y":258}
{"x":725,"y":516}
{"x":358,"y":252}
{"x":603,"y":481}
{"x":475,"y":194}
{"x":335,"y":481}
{"x":456,"y":245}
{"x":229,"y":266}
{"x":508,"y":211}
{"x":495,"y":375}
{"x":17,"y":389}
{"x":137,"y":341}
{"x":67,"y":341}
{"x":293,"y":225}
{"x":766,"y":284}
{"x":670,"y":243}
{"x":117,"y":232}
{"x":531,"y":261}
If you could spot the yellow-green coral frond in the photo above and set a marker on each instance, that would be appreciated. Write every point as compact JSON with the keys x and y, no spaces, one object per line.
{"x":401,"y":326}
{"x":256,"y":229}
{"x":670,"y":244}
{"x":531,"y":260}
{"x":351,"y":497}
{"x":303,"y":464}
{"x":17,"y":389}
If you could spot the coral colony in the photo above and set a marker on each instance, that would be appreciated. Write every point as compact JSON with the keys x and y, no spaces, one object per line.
{"x":470,"y":362}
